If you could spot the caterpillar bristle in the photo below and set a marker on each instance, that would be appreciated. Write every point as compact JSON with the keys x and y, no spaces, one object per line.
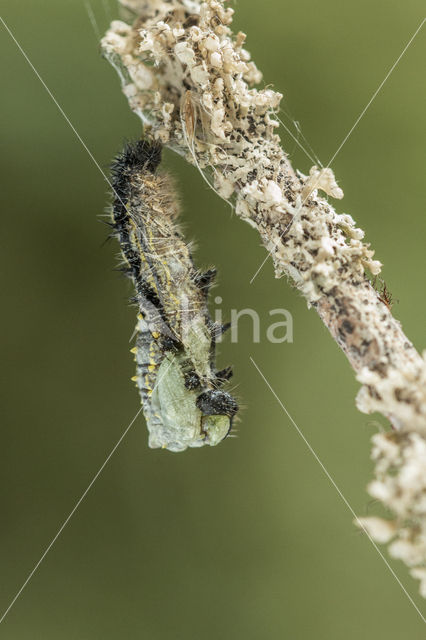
{"x":175,"y":336}
{"x":205,"y":279}
{"x":218,"y":329}
{"x":224,"y":375}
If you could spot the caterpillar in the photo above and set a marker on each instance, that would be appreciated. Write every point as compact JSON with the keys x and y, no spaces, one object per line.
{"x":180,"y":389}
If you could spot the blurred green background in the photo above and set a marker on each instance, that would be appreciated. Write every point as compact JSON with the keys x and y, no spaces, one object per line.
{"x":247,"y":540}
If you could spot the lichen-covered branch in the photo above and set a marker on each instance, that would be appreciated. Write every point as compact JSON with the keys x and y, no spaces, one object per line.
{"x":192,"y":83}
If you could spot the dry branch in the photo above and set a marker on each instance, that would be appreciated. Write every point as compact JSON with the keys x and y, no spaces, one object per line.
{"x":190,"y":80}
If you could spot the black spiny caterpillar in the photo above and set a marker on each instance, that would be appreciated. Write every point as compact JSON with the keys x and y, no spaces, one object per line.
{"x":175,"y":336}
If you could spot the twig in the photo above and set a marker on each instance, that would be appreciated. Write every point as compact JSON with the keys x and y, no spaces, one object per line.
{"x":190,"y":80}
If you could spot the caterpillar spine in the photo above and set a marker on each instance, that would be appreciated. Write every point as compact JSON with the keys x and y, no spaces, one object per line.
{"x":180,"y":389}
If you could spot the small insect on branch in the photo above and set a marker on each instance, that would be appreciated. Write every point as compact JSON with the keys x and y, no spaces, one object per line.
{"x":383,"y":293}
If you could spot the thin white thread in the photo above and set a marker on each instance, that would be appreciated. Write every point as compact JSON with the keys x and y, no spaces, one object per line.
{"x":289,"y":131}
{"x":337,"y":489}
{"x":376,"y":92}
{"x":106,"y":9}
{"x":194,"y":156}
{"x":259,"y":269}
{"x":64,"y":524}
{"x":269,"y":254}
{"x":137,"y":414}
{"x":352,"y":129}
{"x":281,"y":235}
{"x":253,"y":362}
{"x":299,"y":130}
{"x":92,"y":19}
{"x":299,"y":209}
{"x":60,"y":109}
{"x":288,"y":114}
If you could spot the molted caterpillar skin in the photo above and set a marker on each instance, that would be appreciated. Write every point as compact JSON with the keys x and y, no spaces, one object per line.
{"x":175,"y":337}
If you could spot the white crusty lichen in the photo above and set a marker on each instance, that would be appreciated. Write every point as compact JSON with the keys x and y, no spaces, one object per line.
{"x":400,"y":484}
{"x":323,"y":179}
{"x":405,"y":386}
{"x":192,"y":82}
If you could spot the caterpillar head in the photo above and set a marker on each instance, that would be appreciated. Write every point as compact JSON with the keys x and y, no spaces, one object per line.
{"x":218,"y":409}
